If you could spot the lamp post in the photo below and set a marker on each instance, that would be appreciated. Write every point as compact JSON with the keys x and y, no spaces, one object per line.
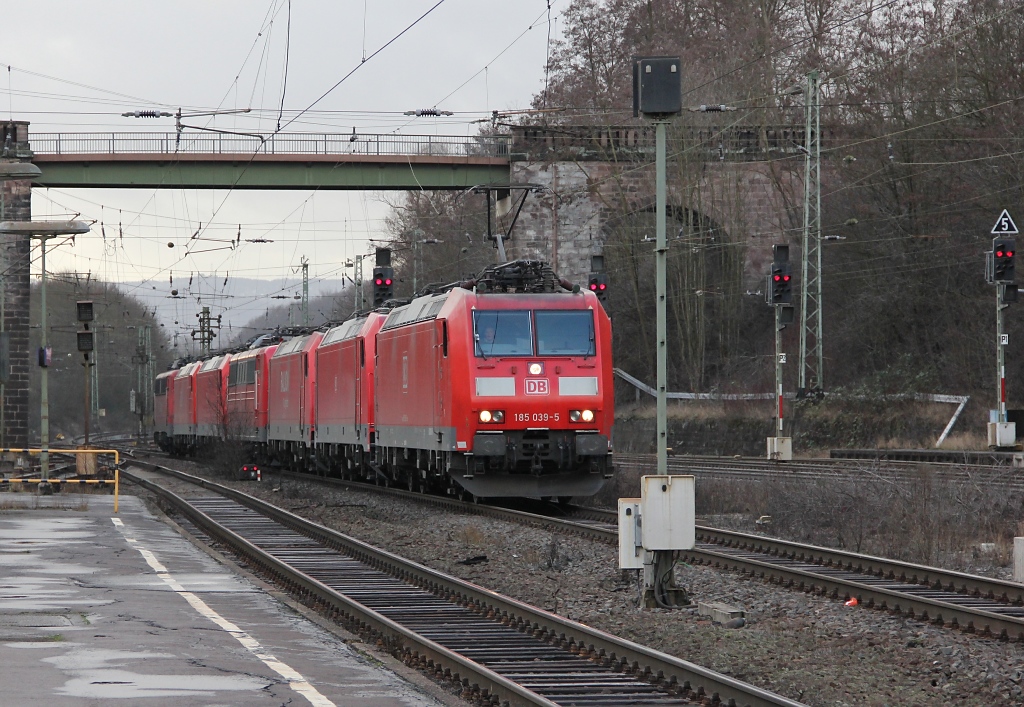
{"x":9,"y":172}
{"x":43,"y":230}
{"x":417,"y":252}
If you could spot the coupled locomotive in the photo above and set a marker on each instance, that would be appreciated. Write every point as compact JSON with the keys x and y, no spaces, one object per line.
{"x":501,"y":386}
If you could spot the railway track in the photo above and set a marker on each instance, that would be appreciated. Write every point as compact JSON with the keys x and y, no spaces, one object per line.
{"x":1000,"y":475}
{"x":499,"y":650}
{"x":974,"y":604}
{"x":988,"y":607}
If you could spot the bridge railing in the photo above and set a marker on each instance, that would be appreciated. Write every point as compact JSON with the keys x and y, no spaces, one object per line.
{"x":115,"y":143}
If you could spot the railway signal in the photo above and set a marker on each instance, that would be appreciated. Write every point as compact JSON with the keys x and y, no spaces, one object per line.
{"x":599,"y":285}
{"x":383,"y":285}
{"x":1003,"y":252}
{"x":999,"y":270}
{"x":779,"y":294}
{"x":780,"y":283}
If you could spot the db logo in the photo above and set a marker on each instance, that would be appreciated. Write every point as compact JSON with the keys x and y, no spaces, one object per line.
{"x":536,"y":386}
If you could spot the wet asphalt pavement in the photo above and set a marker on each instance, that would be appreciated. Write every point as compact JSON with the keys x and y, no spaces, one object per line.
{"x":97,"y":608}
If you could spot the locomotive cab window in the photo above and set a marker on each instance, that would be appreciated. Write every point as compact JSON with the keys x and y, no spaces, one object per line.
{"x":566,"y":333}
{"x":502,"y":333}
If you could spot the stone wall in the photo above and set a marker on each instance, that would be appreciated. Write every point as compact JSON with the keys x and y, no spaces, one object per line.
{"x":751,"y":201}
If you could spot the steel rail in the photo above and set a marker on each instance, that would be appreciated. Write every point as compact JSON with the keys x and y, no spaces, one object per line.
{"x":738,"y":548}
{"x":1002,"y":476}
{"x":942,"y":613}
{"x":667,"y":672}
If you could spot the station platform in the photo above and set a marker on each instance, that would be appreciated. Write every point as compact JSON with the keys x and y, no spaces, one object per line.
{"x":98,"y":608}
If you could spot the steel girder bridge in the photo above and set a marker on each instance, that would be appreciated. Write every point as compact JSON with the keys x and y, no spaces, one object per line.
{"x":283,"y":161}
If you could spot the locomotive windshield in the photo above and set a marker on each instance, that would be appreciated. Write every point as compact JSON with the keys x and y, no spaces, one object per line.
{"x":568,"y":333}
{"x":510,"y":333}
{"x":503,"y":333}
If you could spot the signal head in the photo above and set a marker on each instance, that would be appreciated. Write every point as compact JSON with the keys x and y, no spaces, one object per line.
{"x":1003,"y":250}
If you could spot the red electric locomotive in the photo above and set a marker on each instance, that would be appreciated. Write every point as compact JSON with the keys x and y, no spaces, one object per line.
{"x":211,"y":410}
{"x":497,"y":387}
{"x":183,"y":423}
{"x":163,"y":409}
{"x":345,"y":391}
{"x":248,"y":395}
{"x":501,"y":390}
{"x":291,"y":416}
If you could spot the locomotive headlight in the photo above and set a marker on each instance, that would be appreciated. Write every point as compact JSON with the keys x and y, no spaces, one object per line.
{"x":492,"y":416}
{"x":587,"y":415}
{"x":498,"y":416}
{"x":485,"y":416}
{"x":574,"y":415}
{"x":581,"y":416}
{"x":536,"y":368}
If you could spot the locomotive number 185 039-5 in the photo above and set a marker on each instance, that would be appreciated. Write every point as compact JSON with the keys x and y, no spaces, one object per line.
{"x":535,"y":417}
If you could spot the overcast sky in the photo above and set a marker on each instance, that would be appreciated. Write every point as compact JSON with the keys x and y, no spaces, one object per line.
{"x":75,"y":67}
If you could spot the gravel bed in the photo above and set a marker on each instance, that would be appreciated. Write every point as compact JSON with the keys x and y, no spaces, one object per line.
{"x":805,"y":647}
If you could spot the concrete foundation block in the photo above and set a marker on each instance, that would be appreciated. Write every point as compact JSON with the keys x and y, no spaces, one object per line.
{"x":722,"y":613}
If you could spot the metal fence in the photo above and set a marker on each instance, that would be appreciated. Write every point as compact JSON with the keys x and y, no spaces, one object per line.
{"x":281,"y":144}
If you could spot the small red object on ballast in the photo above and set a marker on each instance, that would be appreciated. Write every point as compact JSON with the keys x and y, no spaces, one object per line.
{"x":250,"y":472}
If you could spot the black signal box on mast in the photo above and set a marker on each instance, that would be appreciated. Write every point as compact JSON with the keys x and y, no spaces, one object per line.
{"x":657,"y":86}
{"x":85,"y":310}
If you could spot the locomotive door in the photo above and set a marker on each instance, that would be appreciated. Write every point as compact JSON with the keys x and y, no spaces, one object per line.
{"x":303,"y":382}
{"x":358,"y":364}
{"x":441,"y":344}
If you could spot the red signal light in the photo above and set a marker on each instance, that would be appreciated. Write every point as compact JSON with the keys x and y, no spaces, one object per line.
{"x":603,"y":286}
{"x":593,"y":286}
{"x":1009,"y":254}
{"x":777,"y":278}
{"x":785,"y":278}
{"x":999,"y":254}
{"x":388,"y":281}
{"x":379,"y":281}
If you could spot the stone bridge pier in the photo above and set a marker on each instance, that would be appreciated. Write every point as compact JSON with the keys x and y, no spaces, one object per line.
{"x":753,"y":201}
{"x":15,"y":263}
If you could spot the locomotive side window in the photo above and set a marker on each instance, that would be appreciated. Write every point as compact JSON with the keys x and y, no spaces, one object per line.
{"x":569,"y":333}
{"x":160,"y":386}
{"x":502,"y":333}
{"x":242,"y":372}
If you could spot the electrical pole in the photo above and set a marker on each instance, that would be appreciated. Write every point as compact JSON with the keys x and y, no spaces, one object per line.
{"x":360,"y":303}
{"x":811,"y":378}
{"x":657,"y":94}
{"x":206,"y":331}
{"x":661,"y":276}
{"x":305,"y":291}
{"x":94,"y":383}
{"x":143,"y":357}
